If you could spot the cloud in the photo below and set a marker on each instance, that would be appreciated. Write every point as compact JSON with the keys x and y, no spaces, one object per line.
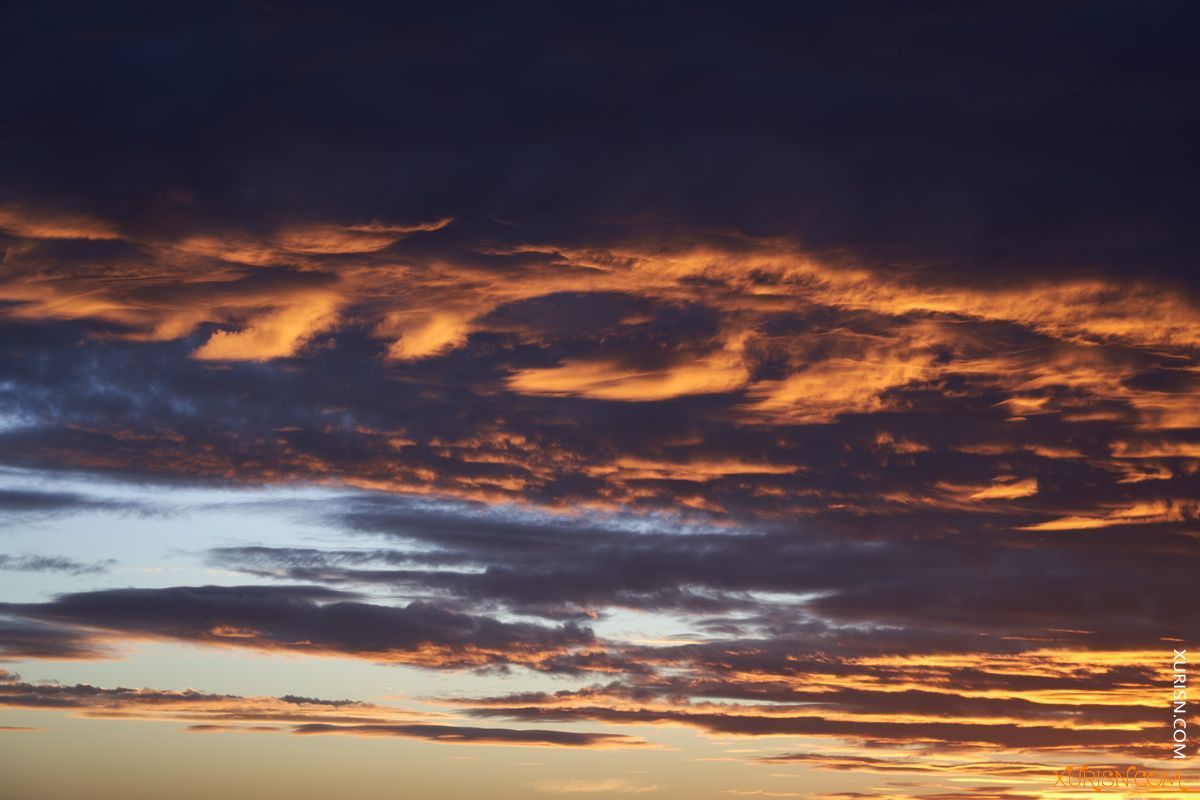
{"x":223,"y":713}
{"x":21,"y":639}
{"x":815,"y":391}
{"x":308,"y":620}
{"x":275,"y":333}
{"x":935,"y":735}
{"x":583,"y":786}
{"x":34,"y":563}
{"x":19,"y":220}
{"x":880,"y":403}
{"x":16,"y":501}
{"x":857,"y":763}
{"x":723,"y":370}
{"x":969,"y":709}
{"x":776,"y":579}
{"x":865,"y":657}
{"x":360,"y":238}
{"x":455,"y":734}
{"x":420,"y":335}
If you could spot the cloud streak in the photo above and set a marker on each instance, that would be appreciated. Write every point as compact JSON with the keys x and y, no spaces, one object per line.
{"x":310,"y":620}
{"x":221,"y":713}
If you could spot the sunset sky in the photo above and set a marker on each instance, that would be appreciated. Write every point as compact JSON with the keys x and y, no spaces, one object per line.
{"x":683,"y":401}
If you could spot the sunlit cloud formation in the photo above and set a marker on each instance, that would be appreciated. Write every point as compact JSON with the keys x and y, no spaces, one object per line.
{"x":801,"y":403}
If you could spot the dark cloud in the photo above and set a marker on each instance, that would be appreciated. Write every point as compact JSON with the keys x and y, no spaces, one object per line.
{"x":21,"y":639}
{"x":780,"y":578}
{"x":797,"y":698}
{"x":307,"y":619}
{"x":28,"y":501}
{"x":35,"y":563}
{"x":911,"y":135}
{"x":458,"y":734}
{"x":914,"y":455}
{"x":950,"y":735}
{"x":859,"y":340}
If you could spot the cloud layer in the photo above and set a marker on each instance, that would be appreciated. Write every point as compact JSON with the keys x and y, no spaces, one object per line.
{"x":826,"y":377}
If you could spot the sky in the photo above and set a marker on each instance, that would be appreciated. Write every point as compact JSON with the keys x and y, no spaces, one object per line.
{"x":597,"y":400}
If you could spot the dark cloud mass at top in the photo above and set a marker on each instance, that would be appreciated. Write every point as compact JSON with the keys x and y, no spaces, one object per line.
{"x":912,"y":134}
{"x":854,"y":345}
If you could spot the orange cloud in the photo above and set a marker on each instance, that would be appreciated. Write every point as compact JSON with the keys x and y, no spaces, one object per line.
{"x":838,"y":386}
{"x":610,"y":381}
{"x":1006,"y":488}
{"x":334,"y":239}
{"x":24,"y":222}
{"x":1150,"y":512}
{"x":276,"y":333}
{"x":425,"y":334}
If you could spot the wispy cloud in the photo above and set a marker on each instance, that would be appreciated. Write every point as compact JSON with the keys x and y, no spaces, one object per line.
{"x":583,"y":786}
